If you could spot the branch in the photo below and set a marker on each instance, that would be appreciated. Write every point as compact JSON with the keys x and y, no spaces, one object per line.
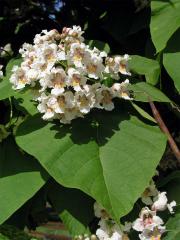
{"x":164,"y":129}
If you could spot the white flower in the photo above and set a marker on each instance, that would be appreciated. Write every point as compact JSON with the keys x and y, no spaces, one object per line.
{"x":148,"y":219}
{"x":78,"y":54}
{"x":18,"y":78}
{"x":44,"y":108}
{"x":99,"y":211}
{"x":101,"y":234}
{"x":153,"y":233}
{"x":121,"y":64}
{"x":104,"y":97}
{"x":95,"y":67}
{"x":121,"y":90}
{"x":76,"y":79}
{"x":150,"y":191}
{"x":170,"y":206}
{"x":85,"y":100}
{"x":67,"y":73}
{"x":58,"y":81}
{"x":160,"y":203}
{"x":6,"y":50}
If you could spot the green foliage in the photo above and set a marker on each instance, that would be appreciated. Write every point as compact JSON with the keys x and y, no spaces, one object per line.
{"x":144,"y":66}
{"x":108,"y":157}
{"x":171,"y":63}
{"x":165,"y":21}
{"x":18,"y":170}
{"x":143,"y":90}
{"x":173,"y":228}
{"x":95,"y":157}
{"x":76,"y":216}
{"x":12,"y":233}
{"x":5,"y":86}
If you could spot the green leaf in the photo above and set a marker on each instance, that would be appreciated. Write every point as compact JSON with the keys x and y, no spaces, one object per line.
{"x":75,"y":219}
{"x":143,"y":113}
{"x":143,"y":90}
{"x":5,"y":85}
{"x":145,"y":66}
{"x":165,"y":20}
{"x":97,"y":155}
{"x":171,"y":63}
{"x":173,"y":228}
{"x":102,"y":46}
{"x":20,"y":178}
{"x":24,"y":102}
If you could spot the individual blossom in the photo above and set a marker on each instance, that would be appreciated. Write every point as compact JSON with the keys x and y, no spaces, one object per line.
{"x":104,"y":96}
{"x":46,"y":36}
{"x":120,"y":90}
{"x":147,"y":218}
{"x":117,"y":64}
{"x":6,"y":50}
{"x":48,"y":111}
{"x":95,"y":67}
{"x":76,"y":79}
{"x":58,"y":81}
{"x":150,"y":191}
{"x":18,"y":78}
{"x":72,"y":35}
{"x":152,"y":233}
{"x":85,"y":100}
{"x":161,"y":203}
{"x":99,"y":211}
{"x":78,"y":55}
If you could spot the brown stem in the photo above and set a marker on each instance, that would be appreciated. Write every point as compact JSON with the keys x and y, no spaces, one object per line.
{"x":164,"y":129}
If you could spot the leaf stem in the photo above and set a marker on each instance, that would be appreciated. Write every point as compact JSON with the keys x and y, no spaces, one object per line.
{"x":164,"y":129}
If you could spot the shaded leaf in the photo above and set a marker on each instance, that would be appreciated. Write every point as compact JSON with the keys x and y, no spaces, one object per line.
{"x":142,"y":90}
{"x":171,"y":63}
{"x":20,"y":178}
{"x":143,"y":113}
{"x":5,"y":85}
{"x":145,"y":66}
{"x":173,"y":228}
{"x":95,"y":155}
{"x":73,"y":206}
{"x":165,"y":20}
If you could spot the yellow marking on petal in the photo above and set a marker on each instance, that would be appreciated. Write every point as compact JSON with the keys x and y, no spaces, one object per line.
{"x":61,"y":101}
{"x":76,"y":80}
{"x":22,"y":80}
{"x":106,"y":96}
{"x":92,"y":68}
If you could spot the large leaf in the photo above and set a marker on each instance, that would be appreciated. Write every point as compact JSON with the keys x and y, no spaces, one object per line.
{"x":145,"y":66}
{"x":24,"y":102}
{"x":171,"y":63}
{"x":5,"y":85}
{"x":143,"y":90}
{"x":165,"y":20}
{"x":76,"y":216}
{"x":110,"y":156}
{"x":20,"y":178}
{"x":173,"y":228}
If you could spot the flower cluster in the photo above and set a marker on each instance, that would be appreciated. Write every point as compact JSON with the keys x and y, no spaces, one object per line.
{"x":68,"y":75}
{"x":149,"y":224}
{"x":108,"y":229}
